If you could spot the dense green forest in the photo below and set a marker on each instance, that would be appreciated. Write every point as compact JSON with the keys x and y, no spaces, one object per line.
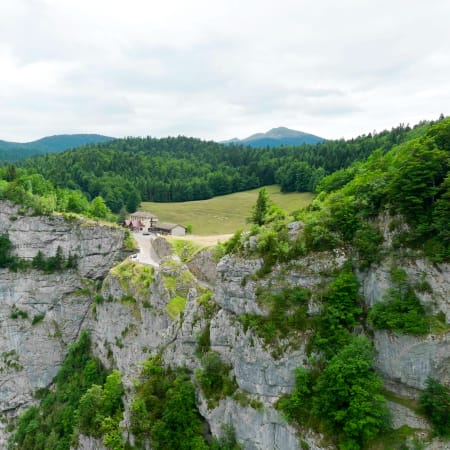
{"x":125,"y":171}
{"x":411,"y":183}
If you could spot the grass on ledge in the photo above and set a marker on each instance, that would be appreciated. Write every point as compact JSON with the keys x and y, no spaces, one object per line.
{"x":176,"y":306}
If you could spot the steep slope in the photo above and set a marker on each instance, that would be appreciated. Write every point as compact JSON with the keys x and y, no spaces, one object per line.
{"x":42,"y":312}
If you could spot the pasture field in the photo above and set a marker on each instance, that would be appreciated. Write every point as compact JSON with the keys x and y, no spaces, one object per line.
{"x":225,"y":214}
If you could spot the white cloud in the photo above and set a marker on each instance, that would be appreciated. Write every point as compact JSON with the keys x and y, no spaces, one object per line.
{"x":220,"y":68}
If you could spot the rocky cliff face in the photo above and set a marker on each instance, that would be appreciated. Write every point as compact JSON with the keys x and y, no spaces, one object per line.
{"x":132,"y":319}
{"x":41,"y":314}
{"x":97,"y":246}
{"x":261,"y":377}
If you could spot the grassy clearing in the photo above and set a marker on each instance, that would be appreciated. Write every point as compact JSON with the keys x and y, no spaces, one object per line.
{"x":224,"y":214}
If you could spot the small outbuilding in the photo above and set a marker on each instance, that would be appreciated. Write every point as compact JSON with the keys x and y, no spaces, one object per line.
{"x":172,"y":229}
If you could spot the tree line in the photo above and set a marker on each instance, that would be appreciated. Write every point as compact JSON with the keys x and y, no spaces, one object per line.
{"x":126,"y":171}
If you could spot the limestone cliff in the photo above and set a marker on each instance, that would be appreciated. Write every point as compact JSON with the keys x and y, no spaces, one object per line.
{"x":41,"y":314}
{"x":137,"y":313}
{"x":262,"y":376}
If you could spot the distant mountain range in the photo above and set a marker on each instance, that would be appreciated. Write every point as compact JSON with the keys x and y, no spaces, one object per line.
{"x":13,"y":151}
{"x":277,"y":137}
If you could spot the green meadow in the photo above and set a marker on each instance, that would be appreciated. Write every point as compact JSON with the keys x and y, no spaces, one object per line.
{"x":224,"y":214}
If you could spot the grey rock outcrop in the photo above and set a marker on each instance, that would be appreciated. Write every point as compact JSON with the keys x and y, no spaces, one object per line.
{"x":162,"y":247}
{"x":410,"y":360}
{"x":256,"y":430}
{"x":126,"y":328}
{"x":96,"y":246}
{"x":130,"y":322}
{"x":235,"y":288}
{"x":41,"y":314}
{"x":401,"y":415}
{"x":204,"y":267}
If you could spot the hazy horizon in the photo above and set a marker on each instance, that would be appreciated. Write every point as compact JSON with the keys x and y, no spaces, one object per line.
{"x":219,"y":70}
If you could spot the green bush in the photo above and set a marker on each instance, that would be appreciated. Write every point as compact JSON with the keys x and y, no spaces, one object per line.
{"x":367,"y":241}
{"x":54,"y":263}
{"x":53,"y":423}
{"x":164,"y":410}
{"x":347,"y":396}
{"x":343,"y":399}
{"x":38,"y":318}
{"x":435,"y":403}
{"x":100,"y":410}
{"x":213,"y":377}
{"x":341,"y":312}
{"x":5,"y":250}
{"x":402,"y":313}
{"x":203,"y":342}
{"x":296,"y":407}
{"x":288,"y":314}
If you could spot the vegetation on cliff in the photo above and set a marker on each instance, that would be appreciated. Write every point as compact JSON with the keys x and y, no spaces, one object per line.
{"x":403,"y":193}
{"x":164,"y":412}
{"x":48,"y":264}
{"x":410,"y":184}
{"x":83,"y":398}
{"x":33,"y":191}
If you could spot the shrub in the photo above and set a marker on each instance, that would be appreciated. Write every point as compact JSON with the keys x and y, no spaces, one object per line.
{"x":5,"y":250}
{"x":164,"y":409}
{"x":296,"y":407}
{"x":347,"y":396}
{"x":340,"y":314}
{"x":288,"y":313}
{"x":401,"y":313}
{"x":203,"y":342}
{"x":213,"y":377}
{"x":435,"y":403}
{"x":52,"y":424}
{"x":37,"y":318}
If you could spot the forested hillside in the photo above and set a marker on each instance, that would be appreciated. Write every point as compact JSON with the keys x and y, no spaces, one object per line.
{"x":15,"y":151}
{"x":127,"y":171}
{"x":410,"y":183}
{"x":325,"y":328}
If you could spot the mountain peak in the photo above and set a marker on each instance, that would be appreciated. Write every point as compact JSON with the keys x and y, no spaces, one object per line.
{"x":277,"y":137}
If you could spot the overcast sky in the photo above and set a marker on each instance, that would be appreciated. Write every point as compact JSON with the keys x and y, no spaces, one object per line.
{"x":218,"y":69}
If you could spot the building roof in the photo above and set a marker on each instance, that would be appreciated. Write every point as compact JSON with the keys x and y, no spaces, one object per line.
{"x":143,"y":215}
{"x":167,"y":226}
